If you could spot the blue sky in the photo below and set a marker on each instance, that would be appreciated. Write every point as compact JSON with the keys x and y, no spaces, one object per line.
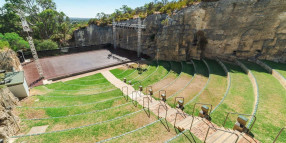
{"x":89,"y":8}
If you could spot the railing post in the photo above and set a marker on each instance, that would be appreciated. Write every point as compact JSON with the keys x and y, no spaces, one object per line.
{"x":134,"y":103}
{"x":194,"y":112}
{"x":182,"y":108}
{"x":242,"y":115}
{"x":125,"y":87}
{"x":279,"y":134}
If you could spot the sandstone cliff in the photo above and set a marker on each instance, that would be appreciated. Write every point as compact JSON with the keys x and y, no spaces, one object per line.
{"x":9,"y":61}
{"x":243,"y":28}
{"x":8,"y":122}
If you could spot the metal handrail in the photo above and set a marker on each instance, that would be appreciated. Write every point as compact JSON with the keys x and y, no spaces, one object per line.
{"x":243,"y":115}
{"x":220,"y":130}
{"x":159,"y":111}
{"x":148,"y":102}
{"x":178,"y":98}
{"x":184,"y":116}
{"x":279,"y":134}
{"x":148,"y":106}
{"x":125,"y":87}
{"x":194,"y":112}
{"x":133,"y":98}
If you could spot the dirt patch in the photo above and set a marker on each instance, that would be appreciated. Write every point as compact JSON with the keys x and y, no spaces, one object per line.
{"x":176,"y":86}
{"x":32,"y":113}
{"x":159,"y":85}
{"x":192,"y":89}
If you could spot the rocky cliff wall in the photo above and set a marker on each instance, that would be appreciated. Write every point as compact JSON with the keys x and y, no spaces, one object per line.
{"x":243,"y":28}
{"x":9,"y":61}
{"x":8,"y":122}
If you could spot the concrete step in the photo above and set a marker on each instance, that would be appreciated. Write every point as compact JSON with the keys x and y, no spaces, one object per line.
{"x":214,"y":136}
{"x":224,"y":137}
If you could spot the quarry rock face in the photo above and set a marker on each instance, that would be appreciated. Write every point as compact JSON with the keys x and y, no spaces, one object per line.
{"x":241,"y":28}
{"x":9,"y":61}
{"x":8,"y":122}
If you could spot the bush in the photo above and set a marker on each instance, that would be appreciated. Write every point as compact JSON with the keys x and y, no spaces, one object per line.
{"x":4,"y":44}
{"x":15,"y":41}
{"x":46,"y":45}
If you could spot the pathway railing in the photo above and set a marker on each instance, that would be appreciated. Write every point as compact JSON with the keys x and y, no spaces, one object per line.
{"x":253,"y":116}
{"x":279,"y":134}
{"x":194,"y":111}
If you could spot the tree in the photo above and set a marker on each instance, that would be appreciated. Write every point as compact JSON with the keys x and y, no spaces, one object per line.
{"x":15,"y":41}
{"x":9,"y":21}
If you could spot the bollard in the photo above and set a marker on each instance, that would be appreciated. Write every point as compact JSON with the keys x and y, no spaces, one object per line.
{"x":141,"y":88}
{"x":181,"y":105}
{"x":150,"y":91}
{"x":164,"y":98}
{"x":204,"y":113}
{"x":124,"y":80}
{"x":130,"y":83}
{"x":240,"y":125}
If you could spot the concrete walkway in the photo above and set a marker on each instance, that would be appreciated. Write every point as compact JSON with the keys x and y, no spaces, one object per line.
{"x":183,"y":122}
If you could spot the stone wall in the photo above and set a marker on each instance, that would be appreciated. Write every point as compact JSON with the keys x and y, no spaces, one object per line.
{"x":9,"y":61}
{"x":244,"y":28}
{"x":8,"y":122}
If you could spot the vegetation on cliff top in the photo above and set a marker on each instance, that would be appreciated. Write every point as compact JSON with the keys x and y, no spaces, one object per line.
{"x":125,"y":12}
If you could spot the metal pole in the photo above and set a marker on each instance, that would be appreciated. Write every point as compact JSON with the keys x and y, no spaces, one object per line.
{"x":27,"y":29}
{"x":139,"y":37}
{"x":114,"y":34}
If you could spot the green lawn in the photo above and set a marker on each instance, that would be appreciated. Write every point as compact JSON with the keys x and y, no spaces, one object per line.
{"x":186,"y":75}
{"x":162,"y":71}
{"x":215,"y":89}
{"x":271,"y":114}
{"x":279,"y":67}
{"x":96,"y":132}
{"x":239,"y":99}
{"x":197,"y":85}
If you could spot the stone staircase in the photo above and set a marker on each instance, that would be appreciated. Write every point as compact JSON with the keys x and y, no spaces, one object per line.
{"x":200,"y":127}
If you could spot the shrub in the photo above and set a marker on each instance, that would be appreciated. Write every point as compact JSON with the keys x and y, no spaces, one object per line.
{"x":46,"y":45}
{"x":15,"y":41}
{"x":4,"y":44}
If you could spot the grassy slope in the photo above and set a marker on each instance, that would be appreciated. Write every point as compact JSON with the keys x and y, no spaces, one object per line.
{"x":216,"y":87}
{"x":154,"y":133}
{"x":42,"y":101}
{"x":187,"y":73}
{"x":162,"y":71}
{"x":202,"y":74}
{"x":95,"y":133}
{"x":281,"y":68}
{"x":240,"y":98}
{"x":271,"y":114}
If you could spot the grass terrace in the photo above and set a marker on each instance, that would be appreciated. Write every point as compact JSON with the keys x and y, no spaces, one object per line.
{"x":91,"y":109}
{"x":271,"y":114}
{"x":279,"y":67}
{"x":239,"y":99}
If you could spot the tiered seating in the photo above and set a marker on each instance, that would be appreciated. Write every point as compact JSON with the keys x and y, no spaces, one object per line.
{"x":92,"y":109}
{"x":271,"y":110}
{"x":279,"y":67}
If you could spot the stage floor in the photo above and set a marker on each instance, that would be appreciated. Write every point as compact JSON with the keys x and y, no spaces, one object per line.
{"x":73,"y":64}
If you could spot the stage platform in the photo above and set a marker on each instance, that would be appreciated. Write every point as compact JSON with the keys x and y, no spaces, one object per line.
{"x":59,"y":67}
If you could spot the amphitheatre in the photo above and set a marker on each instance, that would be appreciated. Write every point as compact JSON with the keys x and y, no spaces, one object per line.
{"x":214,"y":72}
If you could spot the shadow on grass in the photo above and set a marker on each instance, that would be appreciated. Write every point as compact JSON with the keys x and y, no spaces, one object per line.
{"x":274,"y":65}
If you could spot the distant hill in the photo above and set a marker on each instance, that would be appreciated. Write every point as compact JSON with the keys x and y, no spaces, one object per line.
{"x":75,"y":19}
